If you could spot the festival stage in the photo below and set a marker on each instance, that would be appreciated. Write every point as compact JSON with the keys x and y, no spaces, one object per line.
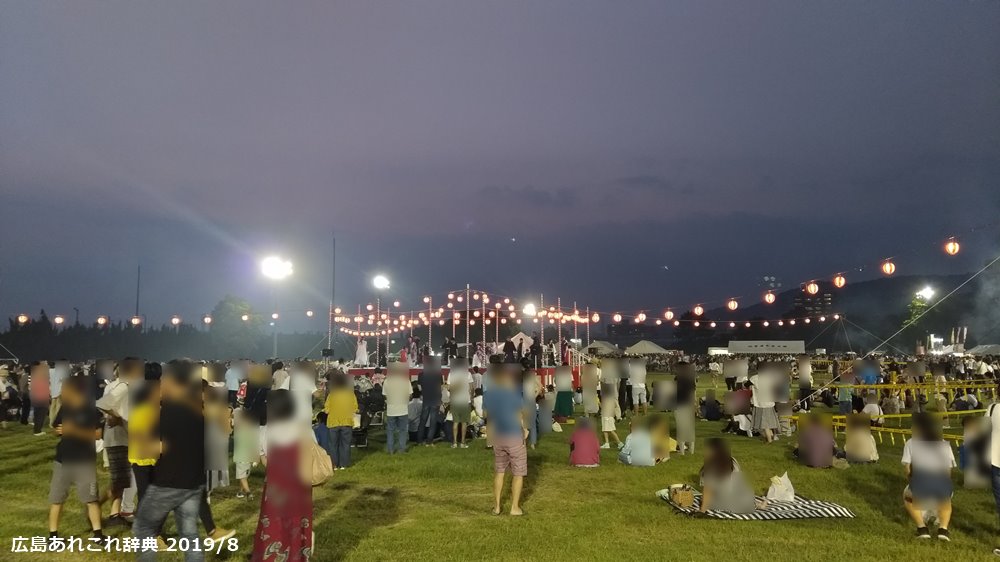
{"x":547,"y":373}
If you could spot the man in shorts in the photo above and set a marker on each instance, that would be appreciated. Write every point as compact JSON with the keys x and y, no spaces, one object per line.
{"x":505,"y":424}
{"x":77,"y":424}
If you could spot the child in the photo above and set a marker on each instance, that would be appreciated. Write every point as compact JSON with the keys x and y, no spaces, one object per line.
{"x":928,"y":460}
{"x":78,"y":425}
{"x":873,"y":410}
{"x":610,"y":411}
{"x":638,"y":447}
{"x":246,"y":447}
{"x":816,"y":445}
{"x":663,"y":443}
{"x":583,"y":446}
{"x":860,"y":445}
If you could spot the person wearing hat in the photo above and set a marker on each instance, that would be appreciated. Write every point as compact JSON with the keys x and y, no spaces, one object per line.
{"x":397,"y":391}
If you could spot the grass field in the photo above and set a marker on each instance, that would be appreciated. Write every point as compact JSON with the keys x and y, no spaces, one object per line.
{"x":434,"y":504}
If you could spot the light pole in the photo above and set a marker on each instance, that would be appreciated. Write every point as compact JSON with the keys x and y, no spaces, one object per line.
{"x":381,"y":283}
{"x":276,"y":269}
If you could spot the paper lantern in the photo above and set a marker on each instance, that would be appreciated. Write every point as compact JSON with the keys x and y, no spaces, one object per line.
{"x":698,"y":310}
{"x":176,"y":320}
{"x":641,"y":317}
{"x":595,"y":318}
{"x":309,"y":313}
{"x":951,"y":247}
{"x":369,"y":307}
{"x":659,"y":322}
{"x":769,"y":297}
{"x":888,"y":267}
{"x":101,"y":320}
{"x":135,"y":320}
{"x":812,"y":287}
{"x":617,"y":317}
{"x":427,"y":300}
{"x":59,"y":319}
{"x":839,"y":281}
{"x":669,"y":314}
{"x":207,"y":319}
{"x":732,"y":304}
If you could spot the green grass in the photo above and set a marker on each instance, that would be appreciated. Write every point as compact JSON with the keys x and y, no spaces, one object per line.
{"x":434,"y":504}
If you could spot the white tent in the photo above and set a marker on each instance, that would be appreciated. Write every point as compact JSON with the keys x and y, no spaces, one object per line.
{"x":600,"y":347}
{"x":986,"y":349}
{"x":522,"y":337}
{"x":786,"y":347}
{"x":646,"y":347}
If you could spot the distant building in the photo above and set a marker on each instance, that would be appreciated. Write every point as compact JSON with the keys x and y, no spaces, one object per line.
{"x":813,"y":305}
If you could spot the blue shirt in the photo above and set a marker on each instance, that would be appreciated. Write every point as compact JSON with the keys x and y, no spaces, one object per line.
{"x":503,"y":408}
{"x":232,"y":379}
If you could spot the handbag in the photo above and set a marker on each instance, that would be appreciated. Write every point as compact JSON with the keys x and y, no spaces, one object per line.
{"x":682,"y":495}
{"x":315,"y":465}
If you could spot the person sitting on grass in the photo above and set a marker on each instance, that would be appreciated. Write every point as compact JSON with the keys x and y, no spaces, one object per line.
{"x":928,"y":460}
{"x":723,"y":486}
{"x":860,"y":445}
{"x":816,"y":445}
{"x":584,"y":450}
{"x":710,"y":408}
{"x":610,"y":411}
{"x":663,"y":443}
{"x":638,"y":448}
{"x":78,"y":425}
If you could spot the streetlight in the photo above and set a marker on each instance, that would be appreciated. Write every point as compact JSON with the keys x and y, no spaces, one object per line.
{"x":381,"y":282}
{"x":23,"y":318}
{"x":927,"y":293}
{"x":175,"y":321}
{"x":59,"y":319}
{"x":276,"y":268}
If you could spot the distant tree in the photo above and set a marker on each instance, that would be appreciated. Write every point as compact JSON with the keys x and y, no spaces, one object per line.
{"x":231,"y":335}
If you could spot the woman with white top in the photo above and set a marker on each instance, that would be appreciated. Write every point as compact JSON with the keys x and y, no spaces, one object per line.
{"x":765,"y":418}
{"x":928,"y":460}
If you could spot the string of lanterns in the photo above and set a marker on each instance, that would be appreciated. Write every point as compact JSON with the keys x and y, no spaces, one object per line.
{"x":504,"y":311}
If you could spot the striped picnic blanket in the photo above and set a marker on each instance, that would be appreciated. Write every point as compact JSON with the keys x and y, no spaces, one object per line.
{"x":800,"y":508}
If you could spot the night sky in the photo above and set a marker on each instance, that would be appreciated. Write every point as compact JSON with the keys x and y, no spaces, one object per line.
{"x":624,"y":155}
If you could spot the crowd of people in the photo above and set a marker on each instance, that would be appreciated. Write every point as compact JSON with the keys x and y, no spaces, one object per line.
{"x":169,"y":433}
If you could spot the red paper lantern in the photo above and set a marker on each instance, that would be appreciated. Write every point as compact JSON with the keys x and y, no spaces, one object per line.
{"x":888,"y":267}
{"x":951,"y":247}
{"x":732,"y":304}
{"x":839,"y":281}
{"x":812,"y":287}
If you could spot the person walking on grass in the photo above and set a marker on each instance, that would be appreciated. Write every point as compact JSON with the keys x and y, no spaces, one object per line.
{"x":610,"y":412}
{"x":502,"y":407}
{"x":928,"y":460}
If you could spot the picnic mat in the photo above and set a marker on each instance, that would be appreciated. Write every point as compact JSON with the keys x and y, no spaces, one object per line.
{"x":800,"y":508}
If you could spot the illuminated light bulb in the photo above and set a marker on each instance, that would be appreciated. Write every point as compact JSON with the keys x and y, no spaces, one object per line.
{"x":176,"y":320}
{"x":766,"y":323}
{"x":822,"y":318}
{"x":58,"y":319}
{"x":369,"y":307}
{"x":807,"y":320}
{"x":791,"y":322}
{"x":951,"y":247}
{"x":711,"y":325}
{"x":427,"y":300}
{"x":395,"y":304}
{"x":207,"y":319}
{"x":697,"y":324}
{"x":135,"y":320}
{"x":732,"y":324}
{"x":101,"y":320}
{"x":274,"y":316}
{"x":677,"y":323}
{"x":309,"y":313}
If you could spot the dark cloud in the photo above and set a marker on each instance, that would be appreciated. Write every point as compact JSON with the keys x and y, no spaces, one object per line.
{"x":193,"y":137}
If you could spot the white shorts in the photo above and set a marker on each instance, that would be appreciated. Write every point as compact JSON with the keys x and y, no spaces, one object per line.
{"x":638,"y":395}
{"x":608,"y":424}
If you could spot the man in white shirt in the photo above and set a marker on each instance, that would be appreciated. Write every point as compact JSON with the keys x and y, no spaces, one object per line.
{"x":637,"y":379}
{"x":397,"y":390}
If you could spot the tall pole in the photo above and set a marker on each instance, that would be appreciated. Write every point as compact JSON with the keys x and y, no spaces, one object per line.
{"x":138,"y":278}
{"x":378,"y":328}
{"x":482,"y":320}
{"x":468,"y":308}
{"x":558,"y":322}
{"x":358,"y":318}
{"x":430,"y":321}
{"x":576,"y":321}
{"x":333,"y":293}
{"x":588,"y":325}
{"x":541,"y":332}
{"x":274,"y":323}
